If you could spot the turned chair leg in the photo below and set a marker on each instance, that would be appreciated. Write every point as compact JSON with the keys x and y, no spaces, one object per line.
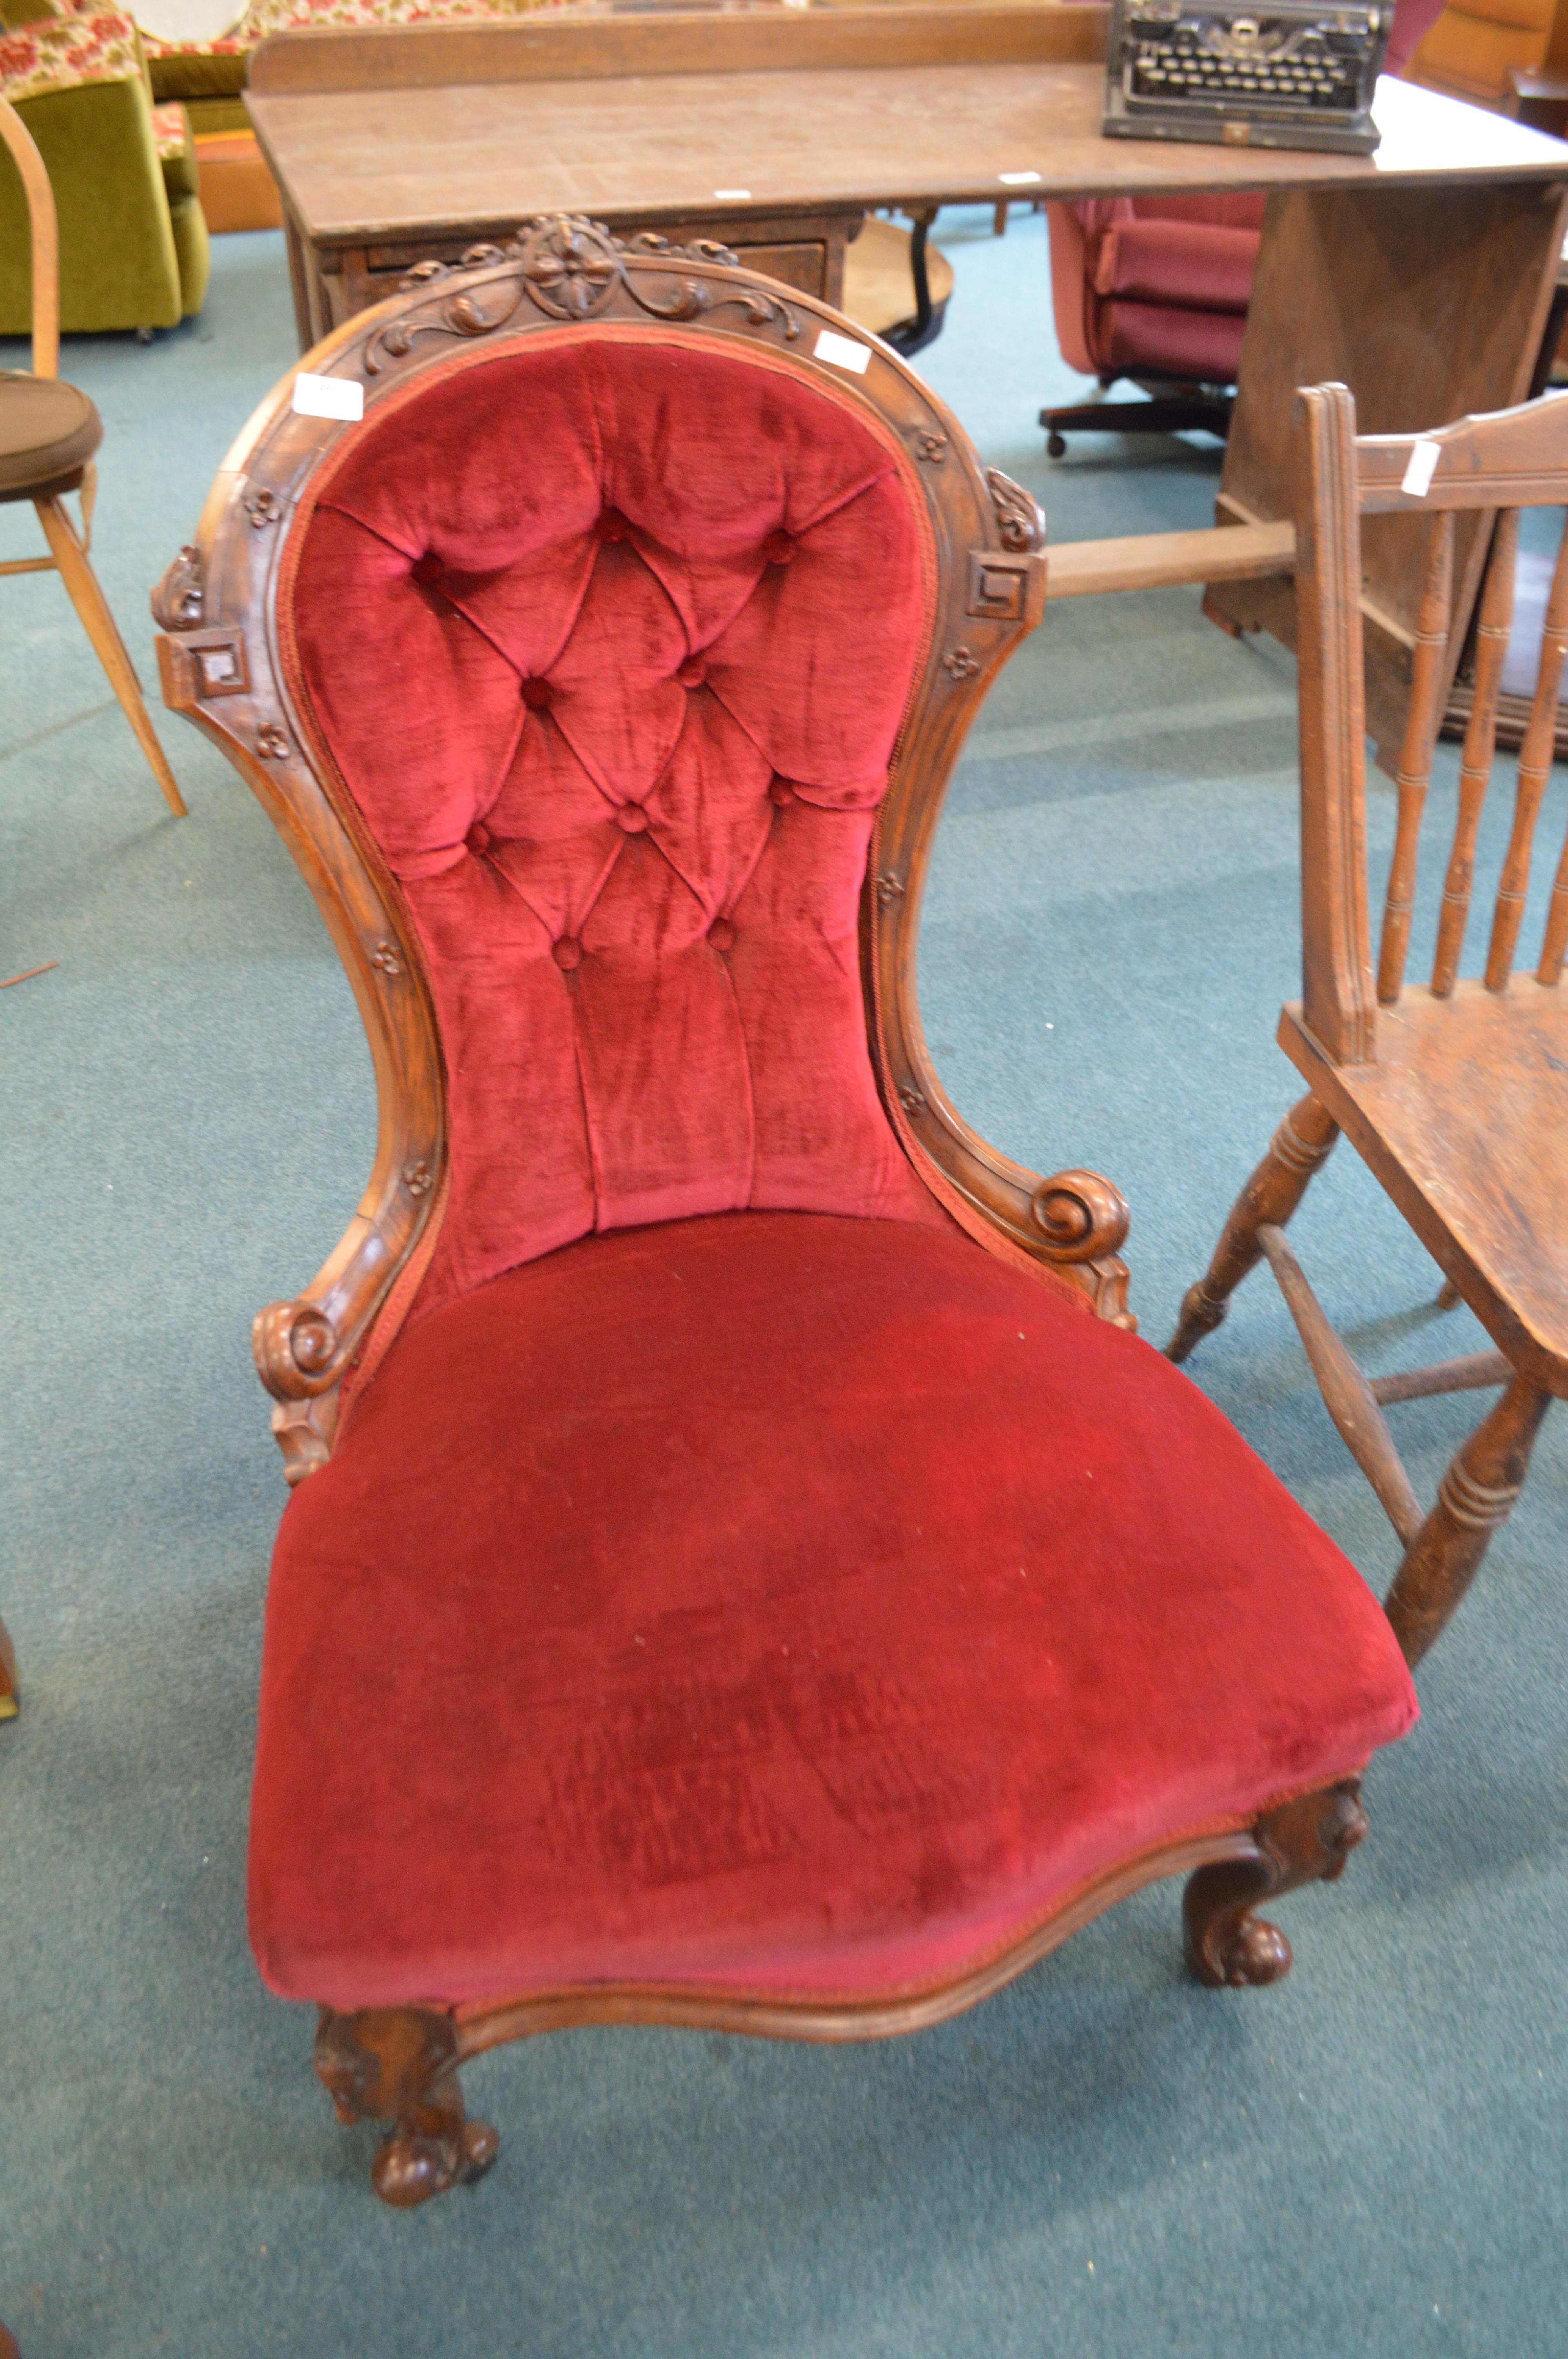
{"x":1475,"y":1496}
{"x":1303,"y":1842}
{"x":92,"y":610}
{"x":8,"y":1695}
{"x":1300,"y":1147}
{"x":400,"y":2064}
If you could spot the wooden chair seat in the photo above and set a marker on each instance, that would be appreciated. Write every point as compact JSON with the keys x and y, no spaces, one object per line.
{"x":1440,"y":1116}
{"x":879,"y":289}
{"x":49,"y":433}
{"x":48,"y":430}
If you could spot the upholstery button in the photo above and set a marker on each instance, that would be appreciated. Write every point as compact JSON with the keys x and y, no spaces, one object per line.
{"x":630,"y":818}
{"x":693,"y":672}
{"x":426,"y":569}
{"x":478,"y":838}
{"x":721,"y":934}
{"x":537,"y":695}
{"x":779,"y":548}
{"x":610,"y":524}
{"x":567,"y":952}
{"x":781,"y":792}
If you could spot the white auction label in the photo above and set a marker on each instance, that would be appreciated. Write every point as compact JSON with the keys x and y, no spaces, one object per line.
{"x":842,"y":351}
{"x":1017,"y":180}
{"x":327,"y":396}
{"x":1423,"y":466}
{"x":734,"y":196}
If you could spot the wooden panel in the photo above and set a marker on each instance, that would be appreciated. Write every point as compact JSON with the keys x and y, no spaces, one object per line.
{"x":550,"y":48}
{"x":1426,"y":311}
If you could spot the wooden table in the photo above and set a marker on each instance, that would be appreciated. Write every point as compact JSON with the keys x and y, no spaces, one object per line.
{"x":1420,"y":276}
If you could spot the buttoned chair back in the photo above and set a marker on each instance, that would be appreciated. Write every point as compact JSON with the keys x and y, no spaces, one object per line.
{"x":600,"y":648}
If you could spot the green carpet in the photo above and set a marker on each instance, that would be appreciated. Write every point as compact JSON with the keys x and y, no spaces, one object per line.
{"x":1105,"y":2160}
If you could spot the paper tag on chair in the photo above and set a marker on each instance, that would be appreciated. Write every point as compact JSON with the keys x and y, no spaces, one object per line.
{"x":1424,"y":456}
{"x":327,"y":396}
{"x":842,"y":351}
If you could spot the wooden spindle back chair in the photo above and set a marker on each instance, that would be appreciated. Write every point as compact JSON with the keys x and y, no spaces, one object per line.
{"x":1453,"y":1091}
{"x":48,"y":431}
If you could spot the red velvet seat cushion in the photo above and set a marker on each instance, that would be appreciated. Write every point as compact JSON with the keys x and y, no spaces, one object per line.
{"x":1196,"y":266}
{"x":771,"y":1601}
{"x":1159,"y":339}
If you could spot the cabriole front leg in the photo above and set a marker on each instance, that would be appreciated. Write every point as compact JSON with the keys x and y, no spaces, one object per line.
{"x":1303,"y":1842}
{"x":400,"y":2064}
{"x":1300,"y":1147}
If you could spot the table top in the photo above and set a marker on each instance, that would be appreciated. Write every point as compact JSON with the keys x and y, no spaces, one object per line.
{"x":360,"y":164}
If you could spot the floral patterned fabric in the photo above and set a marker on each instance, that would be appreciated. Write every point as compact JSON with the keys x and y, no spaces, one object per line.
{"x":63,"y":52}
{"x":264,"y":17}
{"x":170,"y":130}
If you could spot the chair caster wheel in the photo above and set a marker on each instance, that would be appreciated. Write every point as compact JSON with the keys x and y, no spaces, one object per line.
{"x":1056,"y":446}
{"x":146,"y":335}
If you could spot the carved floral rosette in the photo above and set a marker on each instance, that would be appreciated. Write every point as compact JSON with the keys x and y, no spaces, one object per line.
{"x":571,"y":269}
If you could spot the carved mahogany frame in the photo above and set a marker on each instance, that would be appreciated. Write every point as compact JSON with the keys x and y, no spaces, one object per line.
{"x":400,"y":2064}
{"x":220,"y":662}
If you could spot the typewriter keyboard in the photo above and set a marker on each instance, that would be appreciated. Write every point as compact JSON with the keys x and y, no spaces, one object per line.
{"x":1308,"y":73}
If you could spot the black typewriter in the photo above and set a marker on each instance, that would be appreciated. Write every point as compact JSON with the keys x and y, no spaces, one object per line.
{"x":1295,"y":75}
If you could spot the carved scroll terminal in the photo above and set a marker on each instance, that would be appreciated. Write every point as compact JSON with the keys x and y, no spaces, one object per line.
{"x":177,"y":601}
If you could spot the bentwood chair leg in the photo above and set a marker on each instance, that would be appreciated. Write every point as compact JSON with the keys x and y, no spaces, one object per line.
{"x":7,"y":1705}
{"x":1475,"y":1496}
{"x":92,"y":608}
{"x":1299,"y":1147}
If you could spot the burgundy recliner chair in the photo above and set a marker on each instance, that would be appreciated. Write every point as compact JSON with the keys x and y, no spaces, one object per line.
{"x":1156,"y":289}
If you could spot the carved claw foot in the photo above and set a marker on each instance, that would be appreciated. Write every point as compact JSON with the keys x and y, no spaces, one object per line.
{"x":401,"y":2063}
{"x":409,"y":2171}
{"x":1303,"y":1842}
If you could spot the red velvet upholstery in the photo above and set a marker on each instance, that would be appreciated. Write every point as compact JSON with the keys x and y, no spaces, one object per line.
{"x":795,"y":1604}
{"x":1155,"y":286}
{"x":610,"y":640}
{"x":1203,"y":265}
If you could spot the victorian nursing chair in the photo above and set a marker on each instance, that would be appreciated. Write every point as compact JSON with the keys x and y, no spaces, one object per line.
{"x":741,"y":1569}
{"x":49,"y":433}
{"x":1455,"y":1093}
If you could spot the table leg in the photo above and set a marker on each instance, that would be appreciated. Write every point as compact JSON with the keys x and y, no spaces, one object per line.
{"x":1430,"y":305}
{"x":298,"y":279}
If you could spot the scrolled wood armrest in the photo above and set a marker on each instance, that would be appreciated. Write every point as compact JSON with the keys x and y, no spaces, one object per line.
{"x":303,"y":1348}
{"x":297,"y":1350}
{"x":1081,"y":1216}
{"x":302,"y":1356}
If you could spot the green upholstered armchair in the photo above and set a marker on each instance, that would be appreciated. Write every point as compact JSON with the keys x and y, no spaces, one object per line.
{"x":133,"y":242}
